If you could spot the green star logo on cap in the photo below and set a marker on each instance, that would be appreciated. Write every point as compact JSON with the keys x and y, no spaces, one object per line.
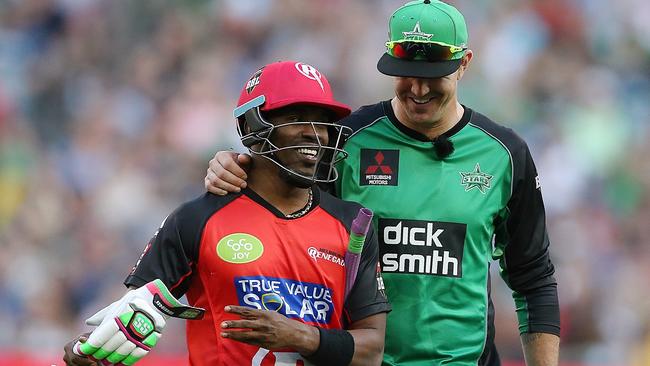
{"x":476,"y":179}
{"x":417,"y":34}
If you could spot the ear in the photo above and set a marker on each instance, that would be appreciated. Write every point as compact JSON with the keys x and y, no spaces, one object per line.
{"x":464,"y":64}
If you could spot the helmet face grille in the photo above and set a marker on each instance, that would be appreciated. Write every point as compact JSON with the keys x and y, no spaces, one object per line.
{"x":258,"y":141}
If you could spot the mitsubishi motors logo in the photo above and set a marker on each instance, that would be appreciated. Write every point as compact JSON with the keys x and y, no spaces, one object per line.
{"x":379,"y":158}
{"x":310,"y":72}
{"x":379,"y":167}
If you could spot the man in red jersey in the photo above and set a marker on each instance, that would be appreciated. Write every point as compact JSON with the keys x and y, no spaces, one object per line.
{"x":266,"y":264}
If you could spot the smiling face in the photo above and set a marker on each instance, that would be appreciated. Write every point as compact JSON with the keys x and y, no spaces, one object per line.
{"x":423,"y":104}
{"x":423,"y":101}
{"x":308,"y":136}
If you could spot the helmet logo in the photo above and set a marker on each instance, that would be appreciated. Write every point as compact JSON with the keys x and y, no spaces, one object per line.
{"x":253,"y":81}
{"x":310,"y":72}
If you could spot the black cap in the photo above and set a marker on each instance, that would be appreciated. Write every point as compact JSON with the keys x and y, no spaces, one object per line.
{"x":394,"y":66}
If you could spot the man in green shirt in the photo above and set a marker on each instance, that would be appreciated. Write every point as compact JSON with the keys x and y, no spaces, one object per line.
{"x":451,"y":191}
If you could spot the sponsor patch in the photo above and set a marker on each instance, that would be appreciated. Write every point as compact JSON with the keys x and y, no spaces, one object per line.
{"x":326,"y":254}
{"x":421,"y":247}
{"x":310,"y":302}
{"x":379,"y":167}
{"x":239,"y":248}
{"x":380,"y":281}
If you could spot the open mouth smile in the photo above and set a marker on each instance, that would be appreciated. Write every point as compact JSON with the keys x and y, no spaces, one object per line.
{"x":311,"y":154}
{"x":421,"y":101}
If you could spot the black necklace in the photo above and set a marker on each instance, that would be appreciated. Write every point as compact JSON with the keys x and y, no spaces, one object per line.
{"x":304,"y":210}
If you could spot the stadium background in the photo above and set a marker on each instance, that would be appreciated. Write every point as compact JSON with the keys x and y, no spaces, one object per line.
{"x":110,"y":110}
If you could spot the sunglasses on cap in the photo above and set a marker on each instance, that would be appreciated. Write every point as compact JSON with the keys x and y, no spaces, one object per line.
{"x":430,"y":50}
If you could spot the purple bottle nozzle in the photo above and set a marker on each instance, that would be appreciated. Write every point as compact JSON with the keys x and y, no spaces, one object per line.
{"x":359,"y":229}
{"x":361,"y":223}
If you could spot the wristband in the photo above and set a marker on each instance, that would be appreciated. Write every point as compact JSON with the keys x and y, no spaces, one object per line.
{"x":336,"y":347}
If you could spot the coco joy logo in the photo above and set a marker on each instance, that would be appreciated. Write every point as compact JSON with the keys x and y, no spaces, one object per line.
{"x":239,"y":248}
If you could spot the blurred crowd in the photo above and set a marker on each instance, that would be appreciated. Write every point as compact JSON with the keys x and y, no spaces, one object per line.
{"x":110,"y":111}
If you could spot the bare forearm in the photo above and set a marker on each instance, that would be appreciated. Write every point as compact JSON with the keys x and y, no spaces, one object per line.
{"x":368,"y":347}
{"x":541,"y":349}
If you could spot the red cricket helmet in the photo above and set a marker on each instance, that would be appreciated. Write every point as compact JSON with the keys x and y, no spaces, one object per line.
{"x":288,"y":82}
{"x":282,"y":84}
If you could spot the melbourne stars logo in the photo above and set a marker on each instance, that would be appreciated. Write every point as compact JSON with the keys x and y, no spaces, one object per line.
{"x":417,"y":34}
{"x":476,"y":179}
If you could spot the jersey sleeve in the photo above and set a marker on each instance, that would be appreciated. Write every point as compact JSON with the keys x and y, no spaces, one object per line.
{"x":367,"y":296}
{"x":522,"y":247}
{"x":169,"y":256}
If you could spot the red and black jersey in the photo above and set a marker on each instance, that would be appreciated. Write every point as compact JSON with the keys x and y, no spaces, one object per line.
{"x":238,"y":249}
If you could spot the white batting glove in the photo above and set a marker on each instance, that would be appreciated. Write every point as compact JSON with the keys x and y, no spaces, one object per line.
{"x":131,"y":326}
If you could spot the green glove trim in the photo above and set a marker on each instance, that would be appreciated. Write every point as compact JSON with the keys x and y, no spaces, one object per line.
{"x":101,"y":354}
{"x":130,"y":360}
{"x":88,"y":349}
{"x":162,"y":289}
{"x":115,"y":357}
{"x":151,"y":340}
{"x":126,"y":318}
